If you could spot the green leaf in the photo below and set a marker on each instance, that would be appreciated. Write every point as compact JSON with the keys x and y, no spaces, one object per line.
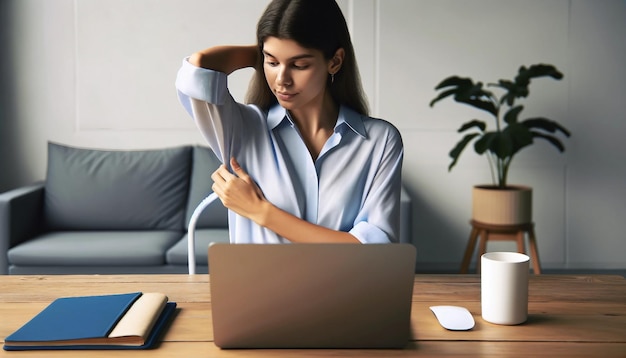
{"x":475,"y":123}
{"x":511,"y":115}
{"x":477,"y":97}
{"x":524,"y":75}
{"x":513,"y":91}
{"x":551,"y":139}
{"x":517,"y":136}
{"x":545,"y":125}
{"x":455,"y":81}
{"x":480,"y":104}
{"x":458,"y":148}
{"x":443,"y":95}
{"x":503,"y":146}
{"x":506,"y":143}
{"x":466,"y":91}
{"x":519,"y":87}
{"x":486,"y":142}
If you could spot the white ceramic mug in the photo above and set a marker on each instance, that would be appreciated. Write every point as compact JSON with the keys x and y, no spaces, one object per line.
{"x":504,"y":287}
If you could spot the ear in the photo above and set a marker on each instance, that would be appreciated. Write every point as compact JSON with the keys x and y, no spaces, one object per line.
{"x":335,"y":63}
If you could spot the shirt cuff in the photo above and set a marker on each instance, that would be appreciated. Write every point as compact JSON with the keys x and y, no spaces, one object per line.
{"x":369,"y":234}
{"x":201,"y":83}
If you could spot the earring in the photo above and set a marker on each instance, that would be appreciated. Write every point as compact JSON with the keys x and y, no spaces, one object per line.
{"x":332,"y":78}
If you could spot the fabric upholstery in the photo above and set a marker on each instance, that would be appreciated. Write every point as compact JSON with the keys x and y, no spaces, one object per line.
{"x":95,"y":248}
{"x":88,"y":189}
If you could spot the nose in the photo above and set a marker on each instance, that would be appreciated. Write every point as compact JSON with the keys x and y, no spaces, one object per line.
{"x":283,"y":78}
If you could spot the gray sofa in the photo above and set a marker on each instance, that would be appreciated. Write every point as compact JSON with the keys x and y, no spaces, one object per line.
{"x":116,"y":212}
{"x":111,"y":212}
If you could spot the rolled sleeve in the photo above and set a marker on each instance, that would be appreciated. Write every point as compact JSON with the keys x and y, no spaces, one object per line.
{"x":367,"y":233}
{"x":201,"y":83}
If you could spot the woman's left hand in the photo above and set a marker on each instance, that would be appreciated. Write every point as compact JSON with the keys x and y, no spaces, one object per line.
{"x":237,"y":191}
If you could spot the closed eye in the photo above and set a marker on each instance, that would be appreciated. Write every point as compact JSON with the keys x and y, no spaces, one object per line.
{"x":298,"y":62}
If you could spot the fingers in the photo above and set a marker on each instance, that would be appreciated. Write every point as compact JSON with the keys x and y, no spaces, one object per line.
{"x":220,"y":175}
{"x":219,"y":181}
{"x":223,"y":179}
{"x":238,"y":170}
{"x":234,"y":164}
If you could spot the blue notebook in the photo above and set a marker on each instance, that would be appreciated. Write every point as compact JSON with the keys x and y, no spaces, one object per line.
{"x":85,"y":323}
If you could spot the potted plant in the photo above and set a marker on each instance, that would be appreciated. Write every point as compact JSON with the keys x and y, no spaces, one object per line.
{"x":500,"y":144}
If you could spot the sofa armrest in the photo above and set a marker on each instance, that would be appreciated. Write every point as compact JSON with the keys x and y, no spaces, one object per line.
{"x":20,"y":218}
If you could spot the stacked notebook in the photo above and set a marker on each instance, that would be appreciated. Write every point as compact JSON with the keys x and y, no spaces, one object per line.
{"x":119,"y":321}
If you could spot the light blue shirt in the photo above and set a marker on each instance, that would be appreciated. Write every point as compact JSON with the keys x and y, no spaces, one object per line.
{"x":353,"y":186}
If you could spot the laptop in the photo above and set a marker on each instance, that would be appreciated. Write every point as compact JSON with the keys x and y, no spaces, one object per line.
{"x":311,"y":295}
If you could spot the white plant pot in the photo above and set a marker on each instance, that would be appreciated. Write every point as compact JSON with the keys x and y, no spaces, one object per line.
{"x":502,"y":206}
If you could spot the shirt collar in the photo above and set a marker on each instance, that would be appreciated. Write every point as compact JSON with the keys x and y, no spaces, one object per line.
{"x":353,"y":120}
{"x":276,"y":115}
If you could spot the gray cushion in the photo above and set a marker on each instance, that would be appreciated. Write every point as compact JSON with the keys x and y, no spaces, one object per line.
{"x":204,"y":164}
{"x":89,"y":189}
{"x":102,"y":270}
{"x":95,"y":248}
{"x":177,"y":255}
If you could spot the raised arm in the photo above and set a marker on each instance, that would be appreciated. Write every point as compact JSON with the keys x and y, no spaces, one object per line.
{"x":226,"y":59}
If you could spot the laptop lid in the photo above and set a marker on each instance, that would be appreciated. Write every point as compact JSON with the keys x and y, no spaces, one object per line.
{"x":311,"y":295}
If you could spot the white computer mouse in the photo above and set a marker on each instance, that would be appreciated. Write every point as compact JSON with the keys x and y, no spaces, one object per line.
{"x":454,"y":318}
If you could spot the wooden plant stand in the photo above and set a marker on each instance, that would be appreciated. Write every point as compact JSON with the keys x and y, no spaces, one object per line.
{"x":503,"y":232}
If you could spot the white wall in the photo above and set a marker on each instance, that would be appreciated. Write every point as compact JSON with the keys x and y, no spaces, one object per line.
{"x":100,"y":74}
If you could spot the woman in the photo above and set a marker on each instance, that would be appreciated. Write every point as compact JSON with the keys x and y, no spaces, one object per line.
{"x":306,"y":162}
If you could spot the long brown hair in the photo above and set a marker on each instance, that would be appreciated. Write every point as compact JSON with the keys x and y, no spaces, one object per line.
{"x":316,"y":24}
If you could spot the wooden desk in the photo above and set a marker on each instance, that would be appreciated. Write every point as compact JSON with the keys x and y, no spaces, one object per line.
{"x":568,"y":316}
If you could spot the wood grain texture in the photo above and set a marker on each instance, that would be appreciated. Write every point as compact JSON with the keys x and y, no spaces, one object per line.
{"x":569,"y":315}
